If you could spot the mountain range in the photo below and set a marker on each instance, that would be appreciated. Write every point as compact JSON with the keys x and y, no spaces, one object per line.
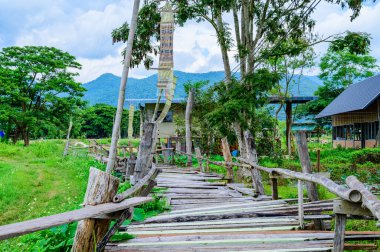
{"x":105,"y":88}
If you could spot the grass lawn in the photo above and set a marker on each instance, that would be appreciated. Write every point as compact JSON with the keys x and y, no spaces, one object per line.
{"x":36,"y":181}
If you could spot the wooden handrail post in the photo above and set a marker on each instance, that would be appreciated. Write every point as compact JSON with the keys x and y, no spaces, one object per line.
{"x":303,"y":154}
{"x":300,"y":204}
{"x":318,"y":160}
{"x":340,"y":227}
{"x":91,"y":230}
{"x":252,"y":157}
{"x":207,"y":165}
{"x":274,"y":187}
{"x":199,"y":158}
{"x":228,"y":158}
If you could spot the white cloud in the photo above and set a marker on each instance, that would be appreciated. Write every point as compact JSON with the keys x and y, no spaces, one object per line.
{"x":83,"y":28}
{"x":84,"y":34}
{"x":332,"y":20}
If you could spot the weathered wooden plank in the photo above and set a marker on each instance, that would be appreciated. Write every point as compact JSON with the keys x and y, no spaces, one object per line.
{"x":26,"y":227}
{"x":223,"y":226}
{"x":218,"y":230}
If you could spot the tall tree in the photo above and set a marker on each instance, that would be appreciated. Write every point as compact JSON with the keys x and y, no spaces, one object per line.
{"x":123,"y":84}
{"x":347,"y":60}
{"x":37,"y":88}
{"x":260,"y":31}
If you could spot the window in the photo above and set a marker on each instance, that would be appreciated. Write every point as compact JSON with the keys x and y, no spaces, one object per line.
{"x":168,"y":117}
{"x":356,"y":132}
{"x":343,"y":132}
{"x":371,"y":130}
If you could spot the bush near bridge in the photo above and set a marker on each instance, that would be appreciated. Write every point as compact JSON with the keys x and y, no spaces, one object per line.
{"x":37,"y":181}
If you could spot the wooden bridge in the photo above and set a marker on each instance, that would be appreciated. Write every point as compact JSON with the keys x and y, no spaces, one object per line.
{"x":209,"y":215}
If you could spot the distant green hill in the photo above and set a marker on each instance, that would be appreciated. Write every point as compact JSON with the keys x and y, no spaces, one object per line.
{"x":105,"y":88}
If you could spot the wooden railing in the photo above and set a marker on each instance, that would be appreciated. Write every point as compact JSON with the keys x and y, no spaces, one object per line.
{"x":102,"y":211}
{"x":354,"y":199}
{"x":120,"y":209}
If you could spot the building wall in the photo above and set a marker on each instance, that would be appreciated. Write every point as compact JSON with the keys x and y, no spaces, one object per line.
{"x":370,"y":143}
{"x":369,"y":115}
{"x":347,"y":144}
{"x":165,"y":129}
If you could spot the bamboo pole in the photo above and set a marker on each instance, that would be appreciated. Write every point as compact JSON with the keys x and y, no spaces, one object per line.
{"x":189,"y":107}
{"x":369,"y":200}
{"x":123,"y":84}
{"x":352,"y":195}
{"x":300,"y":204}
{"x":68,"y":138}
{"x":136,"y":188}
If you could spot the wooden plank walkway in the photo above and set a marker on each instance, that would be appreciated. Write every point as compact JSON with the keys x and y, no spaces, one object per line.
{"x":210,"y":215}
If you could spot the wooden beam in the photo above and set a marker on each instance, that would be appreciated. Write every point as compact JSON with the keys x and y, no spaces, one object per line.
{"x":369,"y":200}
{"x":349,"y":208}
{"x":152,"y":174}
{"x":30,"y":226}
{"x":351,"y":195}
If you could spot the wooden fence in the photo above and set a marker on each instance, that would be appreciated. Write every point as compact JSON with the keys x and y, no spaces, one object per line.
{"x":353,"y":198}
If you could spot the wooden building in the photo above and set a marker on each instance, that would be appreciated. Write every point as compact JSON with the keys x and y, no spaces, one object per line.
{"x":166,"y":129}
{"x":355,"y":115}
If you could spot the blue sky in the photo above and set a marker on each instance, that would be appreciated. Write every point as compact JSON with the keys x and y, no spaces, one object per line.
{"x":83,"y":28}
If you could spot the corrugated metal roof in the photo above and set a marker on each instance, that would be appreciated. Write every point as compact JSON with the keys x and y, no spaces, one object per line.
{"x":356,"y":97}
{"x":303,"y":127}
{"x":293,"y":99}
{"x":150,"y":100}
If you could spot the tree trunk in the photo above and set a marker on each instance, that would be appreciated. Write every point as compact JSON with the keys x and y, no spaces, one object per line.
{"x":66,"y":151}
{"x":223,"y":47}
{"x":239,"y":137}
{"x":141,"y":122}
{"x":189,"y":107}
{"x":252,"y":156}
{"x":25,"y":135}
{"x":146,"y":150}
{"x":101,"y":188}
{"x":288,"y":108}
{"x":238,"y":38}
{"x":123,"y":84}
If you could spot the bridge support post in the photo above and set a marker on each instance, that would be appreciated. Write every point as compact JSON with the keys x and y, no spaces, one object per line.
{"x":300,"y":204}
{"x":340,"y":226}
{"x":274,"y":187}
{"x":303,"y":154}
{"x":146,"y":150}
{"x":199,"y":158}
{"x":252,"y":156}
{"x":101,"y":188}
{"x":228,"y":158}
